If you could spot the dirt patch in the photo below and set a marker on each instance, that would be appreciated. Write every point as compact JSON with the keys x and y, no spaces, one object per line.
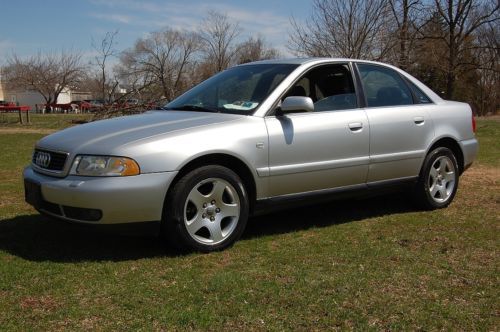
{"x":90,"y":323}
{"x":42,"y":303}
{"x":9,"y":201}
{"x":26,"y":131}
{"x":482,"y":184}
{"x":490,"y":117}
{"x":486,"y":177}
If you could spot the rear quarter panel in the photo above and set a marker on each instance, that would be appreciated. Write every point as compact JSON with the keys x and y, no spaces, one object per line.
{"x":452,"y":119}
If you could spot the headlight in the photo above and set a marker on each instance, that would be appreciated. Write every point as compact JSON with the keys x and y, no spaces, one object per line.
{"x":104,"y":166}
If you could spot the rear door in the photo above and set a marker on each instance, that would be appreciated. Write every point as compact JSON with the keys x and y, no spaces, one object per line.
{"x":400,"y":126}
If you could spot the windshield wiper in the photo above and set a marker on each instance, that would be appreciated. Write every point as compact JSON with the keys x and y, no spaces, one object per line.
{"x":194,"y":108}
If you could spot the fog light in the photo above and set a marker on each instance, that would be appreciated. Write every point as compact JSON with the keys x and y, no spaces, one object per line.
{"x":82,"y":213}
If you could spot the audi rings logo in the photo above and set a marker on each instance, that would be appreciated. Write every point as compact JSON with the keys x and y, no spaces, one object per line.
{"x":42,"y":159}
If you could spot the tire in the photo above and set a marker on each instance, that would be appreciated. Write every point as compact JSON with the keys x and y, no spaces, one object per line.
{"x":206,"y":210}
{"x":438,"y":180}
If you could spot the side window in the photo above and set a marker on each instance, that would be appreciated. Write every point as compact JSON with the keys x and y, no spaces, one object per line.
{"x":300,"y":89}
{"x":330,"y":87}
{"x":421,"y":97}
{"x":383,"y":86}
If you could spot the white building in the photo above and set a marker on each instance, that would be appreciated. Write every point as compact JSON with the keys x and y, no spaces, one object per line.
{"x":33,"y":98}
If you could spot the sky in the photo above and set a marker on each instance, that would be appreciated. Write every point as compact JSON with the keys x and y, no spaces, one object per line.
{"x":30,"y":26}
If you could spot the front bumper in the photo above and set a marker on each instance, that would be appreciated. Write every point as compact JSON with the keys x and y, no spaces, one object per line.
{"x":118,"y":199}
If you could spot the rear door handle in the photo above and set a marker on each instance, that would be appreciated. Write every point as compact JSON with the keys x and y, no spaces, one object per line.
{"x":356,"y":126}
{"x":419,"y":120}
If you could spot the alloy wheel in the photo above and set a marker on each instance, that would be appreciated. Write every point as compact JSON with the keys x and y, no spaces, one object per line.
{"x":442,"y":179}
{"x":211,"y":211}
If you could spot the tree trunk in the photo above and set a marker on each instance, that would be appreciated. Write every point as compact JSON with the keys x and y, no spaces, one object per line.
{"x":403,"y":38}
{"x":47,"y":105}
{"x":450,"y":84}
{"x":103,"y":85}
{"x":452,"y":54}
{"x":20,"y":116}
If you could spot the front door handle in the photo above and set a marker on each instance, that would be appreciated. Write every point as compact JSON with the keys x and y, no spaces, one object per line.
{"x":419,"y":120}
{"x":356,"y":126}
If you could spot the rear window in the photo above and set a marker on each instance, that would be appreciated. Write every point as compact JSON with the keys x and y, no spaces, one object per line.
{"x":419,"y":95}
{"x":383,"y":86}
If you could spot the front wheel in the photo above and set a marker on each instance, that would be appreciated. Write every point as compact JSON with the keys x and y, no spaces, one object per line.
{"x":438,"y":181}
{"x":206,"y":210}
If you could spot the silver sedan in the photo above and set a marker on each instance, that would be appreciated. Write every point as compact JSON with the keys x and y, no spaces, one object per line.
{"x":252,"y":138}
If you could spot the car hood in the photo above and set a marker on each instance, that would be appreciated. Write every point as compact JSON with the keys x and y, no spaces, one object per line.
{"x":106,"y":136}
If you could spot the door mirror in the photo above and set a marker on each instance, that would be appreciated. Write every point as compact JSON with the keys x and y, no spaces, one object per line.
{"x":294,"y":104}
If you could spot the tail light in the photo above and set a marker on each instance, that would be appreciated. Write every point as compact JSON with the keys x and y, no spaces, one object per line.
{"x":473,"y":124}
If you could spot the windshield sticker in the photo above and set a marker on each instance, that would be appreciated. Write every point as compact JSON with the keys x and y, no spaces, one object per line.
{"x":241,"y":105}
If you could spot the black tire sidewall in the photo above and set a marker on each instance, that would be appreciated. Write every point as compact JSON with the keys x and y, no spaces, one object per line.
{"x":175,"y":202}
{"x":422,"y":190}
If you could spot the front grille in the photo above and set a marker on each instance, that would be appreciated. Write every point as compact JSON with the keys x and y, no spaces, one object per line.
{"x":56,"y":163}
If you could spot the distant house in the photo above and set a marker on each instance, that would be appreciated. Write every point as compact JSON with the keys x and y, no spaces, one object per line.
{"x":33,"y":98}
{"x":3,"y":97}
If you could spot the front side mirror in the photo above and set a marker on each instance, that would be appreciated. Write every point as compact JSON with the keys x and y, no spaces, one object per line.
{"x":294,"y":104}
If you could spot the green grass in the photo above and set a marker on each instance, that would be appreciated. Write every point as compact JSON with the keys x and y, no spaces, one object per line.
{"x":42,"y":121}
{"x":364,"y":264}
{"x":488,"y":134}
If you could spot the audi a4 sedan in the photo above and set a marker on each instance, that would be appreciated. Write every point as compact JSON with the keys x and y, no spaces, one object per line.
{"x":255,"y":137}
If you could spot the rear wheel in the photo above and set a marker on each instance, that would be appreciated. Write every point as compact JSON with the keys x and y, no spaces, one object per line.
{"x":206,"y":210}
{"x":438,"y":181}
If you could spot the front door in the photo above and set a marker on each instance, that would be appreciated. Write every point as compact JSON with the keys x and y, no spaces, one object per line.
{"x":324,"y":149}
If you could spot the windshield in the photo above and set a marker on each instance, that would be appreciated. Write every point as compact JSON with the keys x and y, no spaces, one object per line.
{"x":237,"y":90}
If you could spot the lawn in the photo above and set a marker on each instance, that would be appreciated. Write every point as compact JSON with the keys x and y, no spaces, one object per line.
{"x":43,"y":122}
{"x":373,"y":264}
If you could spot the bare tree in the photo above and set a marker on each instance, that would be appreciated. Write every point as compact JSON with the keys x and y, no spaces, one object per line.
{"x":428,"y":54}
{"x":487,"y":96}
{"x":105,"y":50}
{"x":254,"y":49}
{"x":162,"y":58}
{"x":345,"y":28}
{"x":406,"y":17}
{"x":462,"y":18}
{"x":218,"y":35}
{"x":47,"y":74}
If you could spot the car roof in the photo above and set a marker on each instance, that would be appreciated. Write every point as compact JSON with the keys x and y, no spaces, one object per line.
{"x":301,"y":61}
{"x":306,"y":63}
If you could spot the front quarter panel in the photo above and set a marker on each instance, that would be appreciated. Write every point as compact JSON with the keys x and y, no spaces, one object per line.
{"x":244,"y":138}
